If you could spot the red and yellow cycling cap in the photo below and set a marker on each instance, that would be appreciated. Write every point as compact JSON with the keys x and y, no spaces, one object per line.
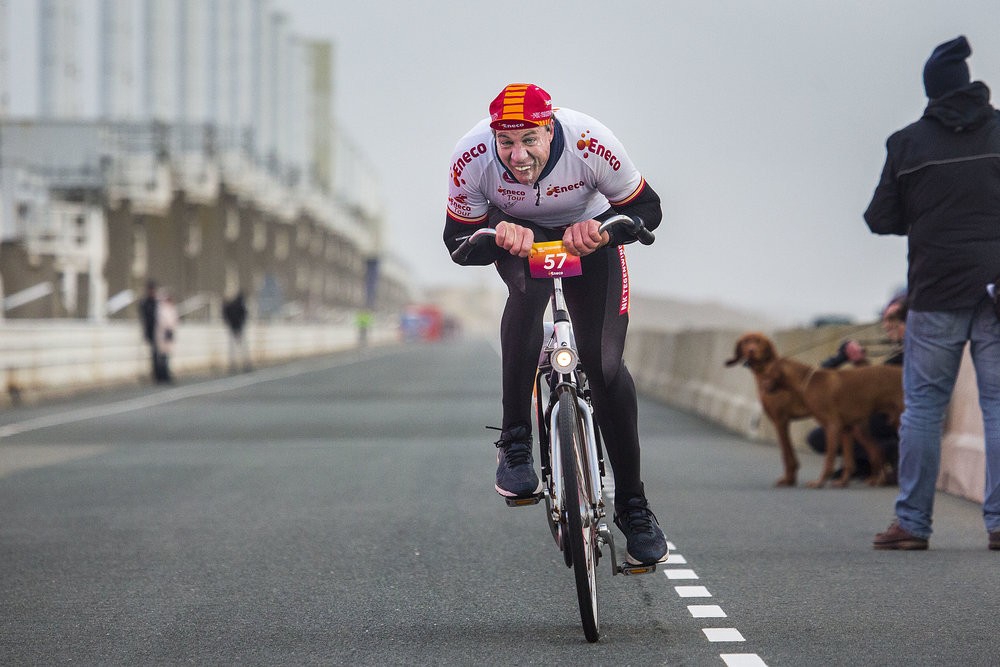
{"x":520,"y":106}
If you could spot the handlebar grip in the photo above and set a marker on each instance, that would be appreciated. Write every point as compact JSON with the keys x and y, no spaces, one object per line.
{"x":634,"y":227}
{"x":462,"y":252}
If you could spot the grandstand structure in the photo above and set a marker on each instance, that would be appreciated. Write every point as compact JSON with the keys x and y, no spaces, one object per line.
{"x":212,"y":165}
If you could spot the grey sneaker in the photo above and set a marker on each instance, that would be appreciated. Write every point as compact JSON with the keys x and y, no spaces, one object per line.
{"x":515,"y":467}
{"x":644,"y":541}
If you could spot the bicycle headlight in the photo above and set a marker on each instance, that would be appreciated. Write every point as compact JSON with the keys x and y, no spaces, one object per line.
{"x":563,"y":360}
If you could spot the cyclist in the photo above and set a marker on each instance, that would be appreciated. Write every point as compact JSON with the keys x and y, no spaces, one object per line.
{"x":538,"y":173}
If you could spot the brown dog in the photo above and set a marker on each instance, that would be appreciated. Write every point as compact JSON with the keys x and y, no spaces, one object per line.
{"x":756,"y":352}
{"x":843,"y":401}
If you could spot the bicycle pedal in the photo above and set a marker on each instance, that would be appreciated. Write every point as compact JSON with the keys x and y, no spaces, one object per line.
{"x":523,"y":501}
{"x":628,"y":568}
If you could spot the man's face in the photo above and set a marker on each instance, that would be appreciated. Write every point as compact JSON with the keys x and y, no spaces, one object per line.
{"x":525,"y":152}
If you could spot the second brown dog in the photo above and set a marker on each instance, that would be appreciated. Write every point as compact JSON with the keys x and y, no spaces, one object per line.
{"x":842,"y":401}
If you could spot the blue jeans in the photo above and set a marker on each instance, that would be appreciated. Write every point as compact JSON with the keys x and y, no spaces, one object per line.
{"x":933,"y":347}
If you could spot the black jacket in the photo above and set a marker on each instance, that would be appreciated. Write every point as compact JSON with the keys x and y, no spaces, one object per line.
{"x":147,"y":311}
{"x":941,"y":187}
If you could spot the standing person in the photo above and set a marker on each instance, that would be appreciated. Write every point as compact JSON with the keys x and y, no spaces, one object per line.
{"x":166,"y":336}
{"x":535,"y":173}
{"x":940,"y":187}
{"x":235,"y":314}
{"x":147,"y":315}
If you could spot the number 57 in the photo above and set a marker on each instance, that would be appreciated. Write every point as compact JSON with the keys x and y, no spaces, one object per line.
{"x":554,"y":261}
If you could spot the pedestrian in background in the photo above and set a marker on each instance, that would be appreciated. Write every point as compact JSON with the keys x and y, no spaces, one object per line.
{"x":235,"y":314}
{"x":147,"y":316}
{"x":940,"y":187}
{"x":166,"y":337}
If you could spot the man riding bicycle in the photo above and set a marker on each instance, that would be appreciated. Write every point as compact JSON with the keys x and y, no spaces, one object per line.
{"x":538,"y":173}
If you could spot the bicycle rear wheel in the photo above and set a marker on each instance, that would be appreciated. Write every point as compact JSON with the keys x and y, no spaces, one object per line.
{"x":578,"y":504}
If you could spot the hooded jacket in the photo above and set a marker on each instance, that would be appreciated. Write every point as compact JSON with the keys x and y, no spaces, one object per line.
{"x":940,"y":187}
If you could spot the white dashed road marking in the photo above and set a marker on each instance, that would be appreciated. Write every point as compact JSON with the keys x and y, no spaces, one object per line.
{"x":680,"y":574}
{"x":723,"y":634}
{"x":742,"y":660}
{"x":706,"y":611}
{"x":709,"y":611}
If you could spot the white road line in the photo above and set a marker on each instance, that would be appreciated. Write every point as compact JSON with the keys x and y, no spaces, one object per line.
{"x":710,"y":611}
{"x":742,"y":660}
{"x":680,"y":574}
{"x":174,"y":394}
{"x":706,"y":611}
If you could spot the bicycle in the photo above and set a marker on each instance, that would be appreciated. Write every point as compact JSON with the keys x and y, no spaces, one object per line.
{"x":571,"y":457}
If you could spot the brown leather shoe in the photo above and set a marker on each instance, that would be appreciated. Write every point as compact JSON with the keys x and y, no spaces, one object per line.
{"x":895,"y":537}
{"x":995,"y":540}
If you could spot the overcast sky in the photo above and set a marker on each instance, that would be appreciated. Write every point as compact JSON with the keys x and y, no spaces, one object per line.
{"x":761,"y":124}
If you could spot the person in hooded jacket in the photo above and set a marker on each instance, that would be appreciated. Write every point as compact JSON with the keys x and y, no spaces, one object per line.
{"x":940,"y":187}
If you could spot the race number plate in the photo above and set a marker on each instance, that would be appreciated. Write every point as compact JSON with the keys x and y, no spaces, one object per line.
{"x":549,"y":259}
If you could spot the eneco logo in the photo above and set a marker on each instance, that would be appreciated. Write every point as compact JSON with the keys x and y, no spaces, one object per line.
{"x":459,"y":204}
{"x":556,"y":190}
{"x":511,"y":195}
{"x":462,"y":162}
{"x":593,"y":146}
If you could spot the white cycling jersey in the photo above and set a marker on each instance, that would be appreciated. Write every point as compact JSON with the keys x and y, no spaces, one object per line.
{"x":592,"y":172}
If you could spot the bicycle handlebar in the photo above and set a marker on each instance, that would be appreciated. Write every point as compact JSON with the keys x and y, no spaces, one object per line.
{"x":634,"y":226}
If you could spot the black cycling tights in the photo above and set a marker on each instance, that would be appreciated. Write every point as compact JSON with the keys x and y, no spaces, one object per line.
{"x":595,"y":304}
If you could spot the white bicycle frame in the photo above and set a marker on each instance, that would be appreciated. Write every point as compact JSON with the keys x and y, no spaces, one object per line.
{"x":562,"y":339}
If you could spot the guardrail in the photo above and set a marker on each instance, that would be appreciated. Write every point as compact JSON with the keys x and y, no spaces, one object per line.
{"x":47,"y":357}
{"x":687,"y":369}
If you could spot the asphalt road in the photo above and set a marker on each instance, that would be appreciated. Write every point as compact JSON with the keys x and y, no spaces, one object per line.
{"x":340,"y":511}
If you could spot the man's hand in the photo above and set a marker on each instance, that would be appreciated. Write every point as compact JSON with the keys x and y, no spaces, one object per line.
{"x":515,"y":239}
{"x":584,"y":238}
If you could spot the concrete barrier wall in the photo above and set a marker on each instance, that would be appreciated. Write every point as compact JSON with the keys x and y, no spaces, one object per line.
{"x":687,"y":369}
{"x":47,"y":357}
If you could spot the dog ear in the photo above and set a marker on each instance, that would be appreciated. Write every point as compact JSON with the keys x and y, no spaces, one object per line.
{"x":737,"y":354}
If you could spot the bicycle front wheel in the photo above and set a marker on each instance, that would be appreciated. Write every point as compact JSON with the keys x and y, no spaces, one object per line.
{"x":578,"y":508}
